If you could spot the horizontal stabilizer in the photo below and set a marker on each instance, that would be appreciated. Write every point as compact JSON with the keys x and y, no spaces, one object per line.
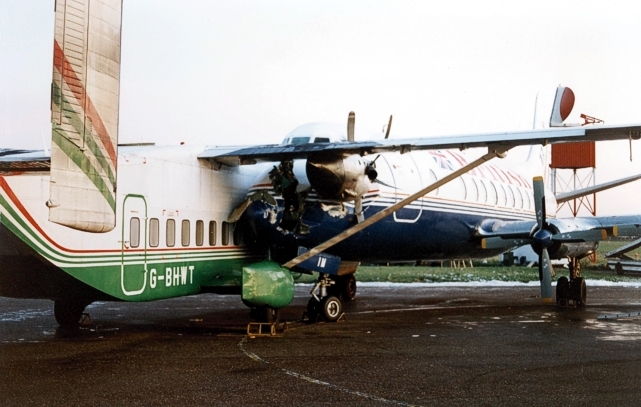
{"x":568,"y":196}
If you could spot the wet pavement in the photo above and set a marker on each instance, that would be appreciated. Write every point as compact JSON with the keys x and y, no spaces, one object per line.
{"x":397,"y":346}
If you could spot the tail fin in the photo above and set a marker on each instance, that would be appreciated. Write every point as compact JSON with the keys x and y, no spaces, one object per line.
{"x":84,"y":114}
{"x":559,"y":109}
{"x":537,"y":160}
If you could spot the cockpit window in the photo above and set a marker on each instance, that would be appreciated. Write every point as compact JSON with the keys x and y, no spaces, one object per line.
{"x":321,"y":140}
{"x":299,"y":140}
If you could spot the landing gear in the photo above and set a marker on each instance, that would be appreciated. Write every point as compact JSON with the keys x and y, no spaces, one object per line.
{"x":325,"y":304}
{"x":68,"y":313}
{"x":572,"y":292}
{"x":344,"y":287}
{"x":329,"y":309}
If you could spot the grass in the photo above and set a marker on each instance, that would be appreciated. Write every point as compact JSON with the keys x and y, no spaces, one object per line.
{"x":490,"y":271}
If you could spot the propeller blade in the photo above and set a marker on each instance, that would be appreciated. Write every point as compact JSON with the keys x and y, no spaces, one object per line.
{"x":389,"y":127}
{"x":545,"y":274}
{"x":627,"y":230}
{"x":539,"y":201}
{"x":501,"y":243}
{"x":595,"y":235}
{"x":351,"y":121}
{"x":358,"y":209}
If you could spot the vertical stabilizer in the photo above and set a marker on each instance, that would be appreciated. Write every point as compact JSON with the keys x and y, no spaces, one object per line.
{"x":84,"y":114}
{"x":563,"y":104}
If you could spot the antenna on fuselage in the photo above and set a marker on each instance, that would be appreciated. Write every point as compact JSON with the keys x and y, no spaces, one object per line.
{"x":351,"y":120}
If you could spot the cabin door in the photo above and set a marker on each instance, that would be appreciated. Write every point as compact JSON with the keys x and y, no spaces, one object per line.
{"x":407,"y":181}
{"x":133,"y":272}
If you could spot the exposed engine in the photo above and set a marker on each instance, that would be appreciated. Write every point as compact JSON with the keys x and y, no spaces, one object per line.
{"x":560,"y":249}
{"x":344,"y":179}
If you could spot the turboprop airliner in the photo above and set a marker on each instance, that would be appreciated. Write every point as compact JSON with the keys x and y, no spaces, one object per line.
{"x":98,"y":221}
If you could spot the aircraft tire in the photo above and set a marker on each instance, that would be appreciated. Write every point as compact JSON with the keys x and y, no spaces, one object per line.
{"x":313,"y":310}
{"x":344,"y":288}
{"x":331,"y":308}
{"x":579,"y":291}
{"x":619,"y":268}
{"x":348,"y":287}
{"x":68,"y":312}
{"x":562,"y":291}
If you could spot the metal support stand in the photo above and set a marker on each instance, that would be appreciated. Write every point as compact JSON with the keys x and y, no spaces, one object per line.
{"x":255,"y":329}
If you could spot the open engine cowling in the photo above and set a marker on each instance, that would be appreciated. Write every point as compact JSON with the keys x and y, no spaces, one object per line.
{"x":341,"y":178}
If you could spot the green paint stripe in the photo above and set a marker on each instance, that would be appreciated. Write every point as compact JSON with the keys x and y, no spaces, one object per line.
{"x":33,"y":239}
{"x":80,"y":157}
{"x":78,"y":124}
{"x":82,"y":161}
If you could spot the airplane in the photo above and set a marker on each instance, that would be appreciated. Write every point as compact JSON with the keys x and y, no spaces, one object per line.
{"x":102,"y":221}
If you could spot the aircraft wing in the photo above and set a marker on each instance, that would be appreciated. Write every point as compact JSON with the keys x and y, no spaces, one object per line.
{"x":23,"y":160}
{"x":251,"y":155}
{"x":507,"y":234}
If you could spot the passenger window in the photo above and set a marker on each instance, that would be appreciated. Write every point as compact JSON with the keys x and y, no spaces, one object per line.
{"x":529,"y":198}
{"x":225,"y":233}
{"x":472,"y":192}
{"x":184,"y":233}
{"x":510,"y":196}
{"x":171,"y":233}
{"x":200,"y":232}
{"x":154,"y":232}
{"x":454,"y":189}
{"x":493,"y":196}
{"x":212,"y":233}
{"x":519,"y":198}
{"x":134,"y":232}
{"x":502,"y":199}
{"x":482,"y":191}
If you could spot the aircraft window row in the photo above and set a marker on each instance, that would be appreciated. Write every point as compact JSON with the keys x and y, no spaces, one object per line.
{"x":229,"y":233}
{"x":466,"y":187}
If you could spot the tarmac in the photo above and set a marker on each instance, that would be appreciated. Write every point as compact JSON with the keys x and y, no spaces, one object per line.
{"x":396,"y":345}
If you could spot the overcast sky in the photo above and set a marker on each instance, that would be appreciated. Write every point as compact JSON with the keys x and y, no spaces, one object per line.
{"x":241,"y":72}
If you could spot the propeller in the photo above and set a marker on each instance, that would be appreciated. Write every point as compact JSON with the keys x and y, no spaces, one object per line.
{"x":351,"y":120}
{"x":389,"y":127}
{"x":542,"y":238}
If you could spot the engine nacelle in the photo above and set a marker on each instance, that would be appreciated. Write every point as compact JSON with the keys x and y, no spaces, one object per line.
{"x":342,"y":178}
{"x":561,"y":250}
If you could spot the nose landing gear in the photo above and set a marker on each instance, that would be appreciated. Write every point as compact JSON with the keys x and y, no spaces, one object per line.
{"x":324,"y":304}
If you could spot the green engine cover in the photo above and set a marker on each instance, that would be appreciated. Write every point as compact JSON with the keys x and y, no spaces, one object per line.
{"x":267,"y":284}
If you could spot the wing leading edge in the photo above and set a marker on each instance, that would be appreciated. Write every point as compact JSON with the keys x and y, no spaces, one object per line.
{"x":496,"y":234}
{"x":251,"y":155}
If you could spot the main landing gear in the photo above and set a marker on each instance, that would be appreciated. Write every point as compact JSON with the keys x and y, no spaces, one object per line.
{"x":327,"y":294}
{"x":69,"y":312}
{"x":572,"y":292}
